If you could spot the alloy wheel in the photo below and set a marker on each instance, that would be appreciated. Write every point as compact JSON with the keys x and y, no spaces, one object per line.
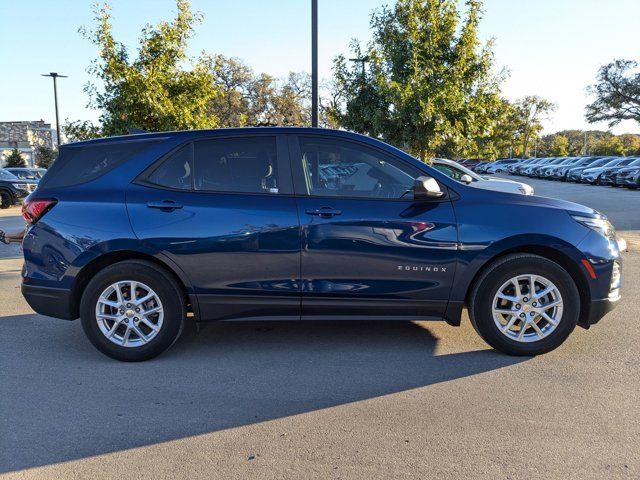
{"x":129,"y":313}
{"x":527,"y":308}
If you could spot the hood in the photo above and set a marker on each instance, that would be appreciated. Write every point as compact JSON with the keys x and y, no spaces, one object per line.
{"x":628,"y":169}
{"x":534,"y":200}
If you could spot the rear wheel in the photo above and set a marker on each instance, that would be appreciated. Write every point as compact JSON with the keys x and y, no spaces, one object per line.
{"x":132,"y":310}
{"x":524,"y":305}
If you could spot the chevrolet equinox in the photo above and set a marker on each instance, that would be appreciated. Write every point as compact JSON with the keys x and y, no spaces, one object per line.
{"x":132,"y":234}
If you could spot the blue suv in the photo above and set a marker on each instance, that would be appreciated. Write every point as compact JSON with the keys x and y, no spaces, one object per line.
{"x":136,"y":234}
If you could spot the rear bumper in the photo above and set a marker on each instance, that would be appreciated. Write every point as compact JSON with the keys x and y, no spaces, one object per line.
{"x":52,"y":302}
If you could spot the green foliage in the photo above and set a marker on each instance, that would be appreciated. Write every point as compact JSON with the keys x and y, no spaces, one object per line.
{"x":617,"y":94}
{"x":560,"y":146}
{"x":153,"y":91}
{"x":258,"y":100}
{"x":79,"y":130}
{"x":45,"y":156}
{"x":429,"y":84}
{"x":15,"y":159}
{"x":592,"y":142}
{"x":531,"y":111}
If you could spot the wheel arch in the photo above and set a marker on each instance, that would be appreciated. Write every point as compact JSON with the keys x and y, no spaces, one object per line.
{"x":550,"y":253}
{"x":88,"y":271}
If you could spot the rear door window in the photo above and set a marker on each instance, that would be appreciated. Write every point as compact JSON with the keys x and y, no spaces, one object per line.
{"x":243,"y":165}
{"x":175,"y":171}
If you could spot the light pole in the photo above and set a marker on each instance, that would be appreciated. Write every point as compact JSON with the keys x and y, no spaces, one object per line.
{"x":361,"y":60}
{"x":314,"y":63}
{"x":55,"y":76}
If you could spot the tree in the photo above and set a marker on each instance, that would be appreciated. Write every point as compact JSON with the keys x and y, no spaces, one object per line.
{"x":560,"y":146}
{"x":45,"y":156}
{"x":233,"y":79}
{"x":79,"y":130}
{"x":617,"y":94}
{"x":630,"y":143}
{"x":610,"y":145}
{"x":153,"y":91}
{"x":532,"y":110}
{"x":15,"y":159}
{"x":428,"y":77}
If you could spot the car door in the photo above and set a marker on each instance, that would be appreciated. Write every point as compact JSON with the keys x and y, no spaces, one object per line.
{"x":368,"y":249}
{"x":222,"y":209}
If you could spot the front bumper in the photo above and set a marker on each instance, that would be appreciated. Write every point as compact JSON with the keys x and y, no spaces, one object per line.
{"x":627,"y":179}
{"x":598,"y":309}
{"x":608,"y":178}
{"x":48,"y":301}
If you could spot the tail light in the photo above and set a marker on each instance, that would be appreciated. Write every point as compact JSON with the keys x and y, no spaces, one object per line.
{"x":33,"y":210}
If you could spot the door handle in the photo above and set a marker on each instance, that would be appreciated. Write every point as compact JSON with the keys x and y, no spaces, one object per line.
{"x":324,"y":212}
{"x":166,"y":205}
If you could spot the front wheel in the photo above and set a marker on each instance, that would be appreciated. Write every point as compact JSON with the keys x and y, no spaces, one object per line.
{"x":5,"y":200}
{"x":524,"y":304}
{"x":132,"y":310}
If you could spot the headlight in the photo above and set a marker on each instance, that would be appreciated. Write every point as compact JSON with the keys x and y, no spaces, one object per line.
{"x":526,"y":189}
{"x":20,"y":186}
{"x":598,"y":224}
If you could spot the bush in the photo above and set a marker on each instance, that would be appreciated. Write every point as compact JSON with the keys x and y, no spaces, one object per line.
{"x":15,"y":159}
{"x":45,"y":156}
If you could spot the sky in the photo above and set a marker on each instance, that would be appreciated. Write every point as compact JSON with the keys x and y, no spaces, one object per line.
{"x":552,"y":48}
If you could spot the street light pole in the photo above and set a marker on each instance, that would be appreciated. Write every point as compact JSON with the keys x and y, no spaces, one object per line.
{"x":314,"y":63}
{"x":55,"y":76}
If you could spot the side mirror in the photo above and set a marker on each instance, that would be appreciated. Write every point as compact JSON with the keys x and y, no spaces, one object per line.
{"x":466,"y":178}
{"x":426,"y":187}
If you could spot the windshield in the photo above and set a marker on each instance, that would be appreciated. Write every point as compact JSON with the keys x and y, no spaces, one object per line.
{"x":24,"y":174}
{"x":599,"y":163}
{"x":635,"y":163}
{"x":455,"y":171}
{"x":4,"y":175}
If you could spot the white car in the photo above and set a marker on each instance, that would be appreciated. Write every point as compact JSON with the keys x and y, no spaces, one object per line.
{"x":464,"y":175}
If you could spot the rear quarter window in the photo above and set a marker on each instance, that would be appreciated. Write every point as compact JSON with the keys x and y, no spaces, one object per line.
{"x":81,"y":164}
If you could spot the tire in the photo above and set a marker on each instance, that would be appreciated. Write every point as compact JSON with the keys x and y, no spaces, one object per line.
{"x":485,"y":289}
{"x":168,"y":322}
{"x":5,"y":200}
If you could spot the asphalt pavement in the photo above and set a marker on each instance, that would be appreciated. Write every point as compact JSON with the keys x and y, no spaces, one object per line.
{"x":325,"y":400}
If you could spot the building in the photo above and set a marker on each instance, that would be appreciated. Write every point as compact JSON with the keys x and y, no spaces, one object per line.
{"x":25,"y":136}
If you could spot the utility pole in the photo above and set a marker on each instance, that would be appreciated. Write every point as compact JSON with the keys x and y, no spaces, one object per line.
{"x":55,"y":76}
{"x":585,"y":144}
{"x":314,"y":63}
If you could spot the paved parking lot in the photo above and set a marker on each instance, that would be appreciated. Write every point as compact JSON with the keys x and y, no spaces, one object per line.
{"x":325,"y":400}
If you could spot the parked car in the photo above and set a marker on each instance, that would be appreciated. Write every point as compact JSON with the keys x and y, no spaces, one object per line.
{"x":527,"y":170}
{"x":500,"y":166}
{"x":608,"y":176}
{"x":470,"y":162}
{"x":594,"y":175}
{"x":628,"y":177}
{"x":133,"y":233}
{"x":469,"y":177}
{"x":573,"y":175}
{"x":512,"y":168}
{"x":480,"y":167}
{"x":13,"y":190}
{"x":536,"y":171}
{"x":560,"y":172}
{"x":547,"y":170}
{"x":519,"y":169}
{"x":24,"y":173}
